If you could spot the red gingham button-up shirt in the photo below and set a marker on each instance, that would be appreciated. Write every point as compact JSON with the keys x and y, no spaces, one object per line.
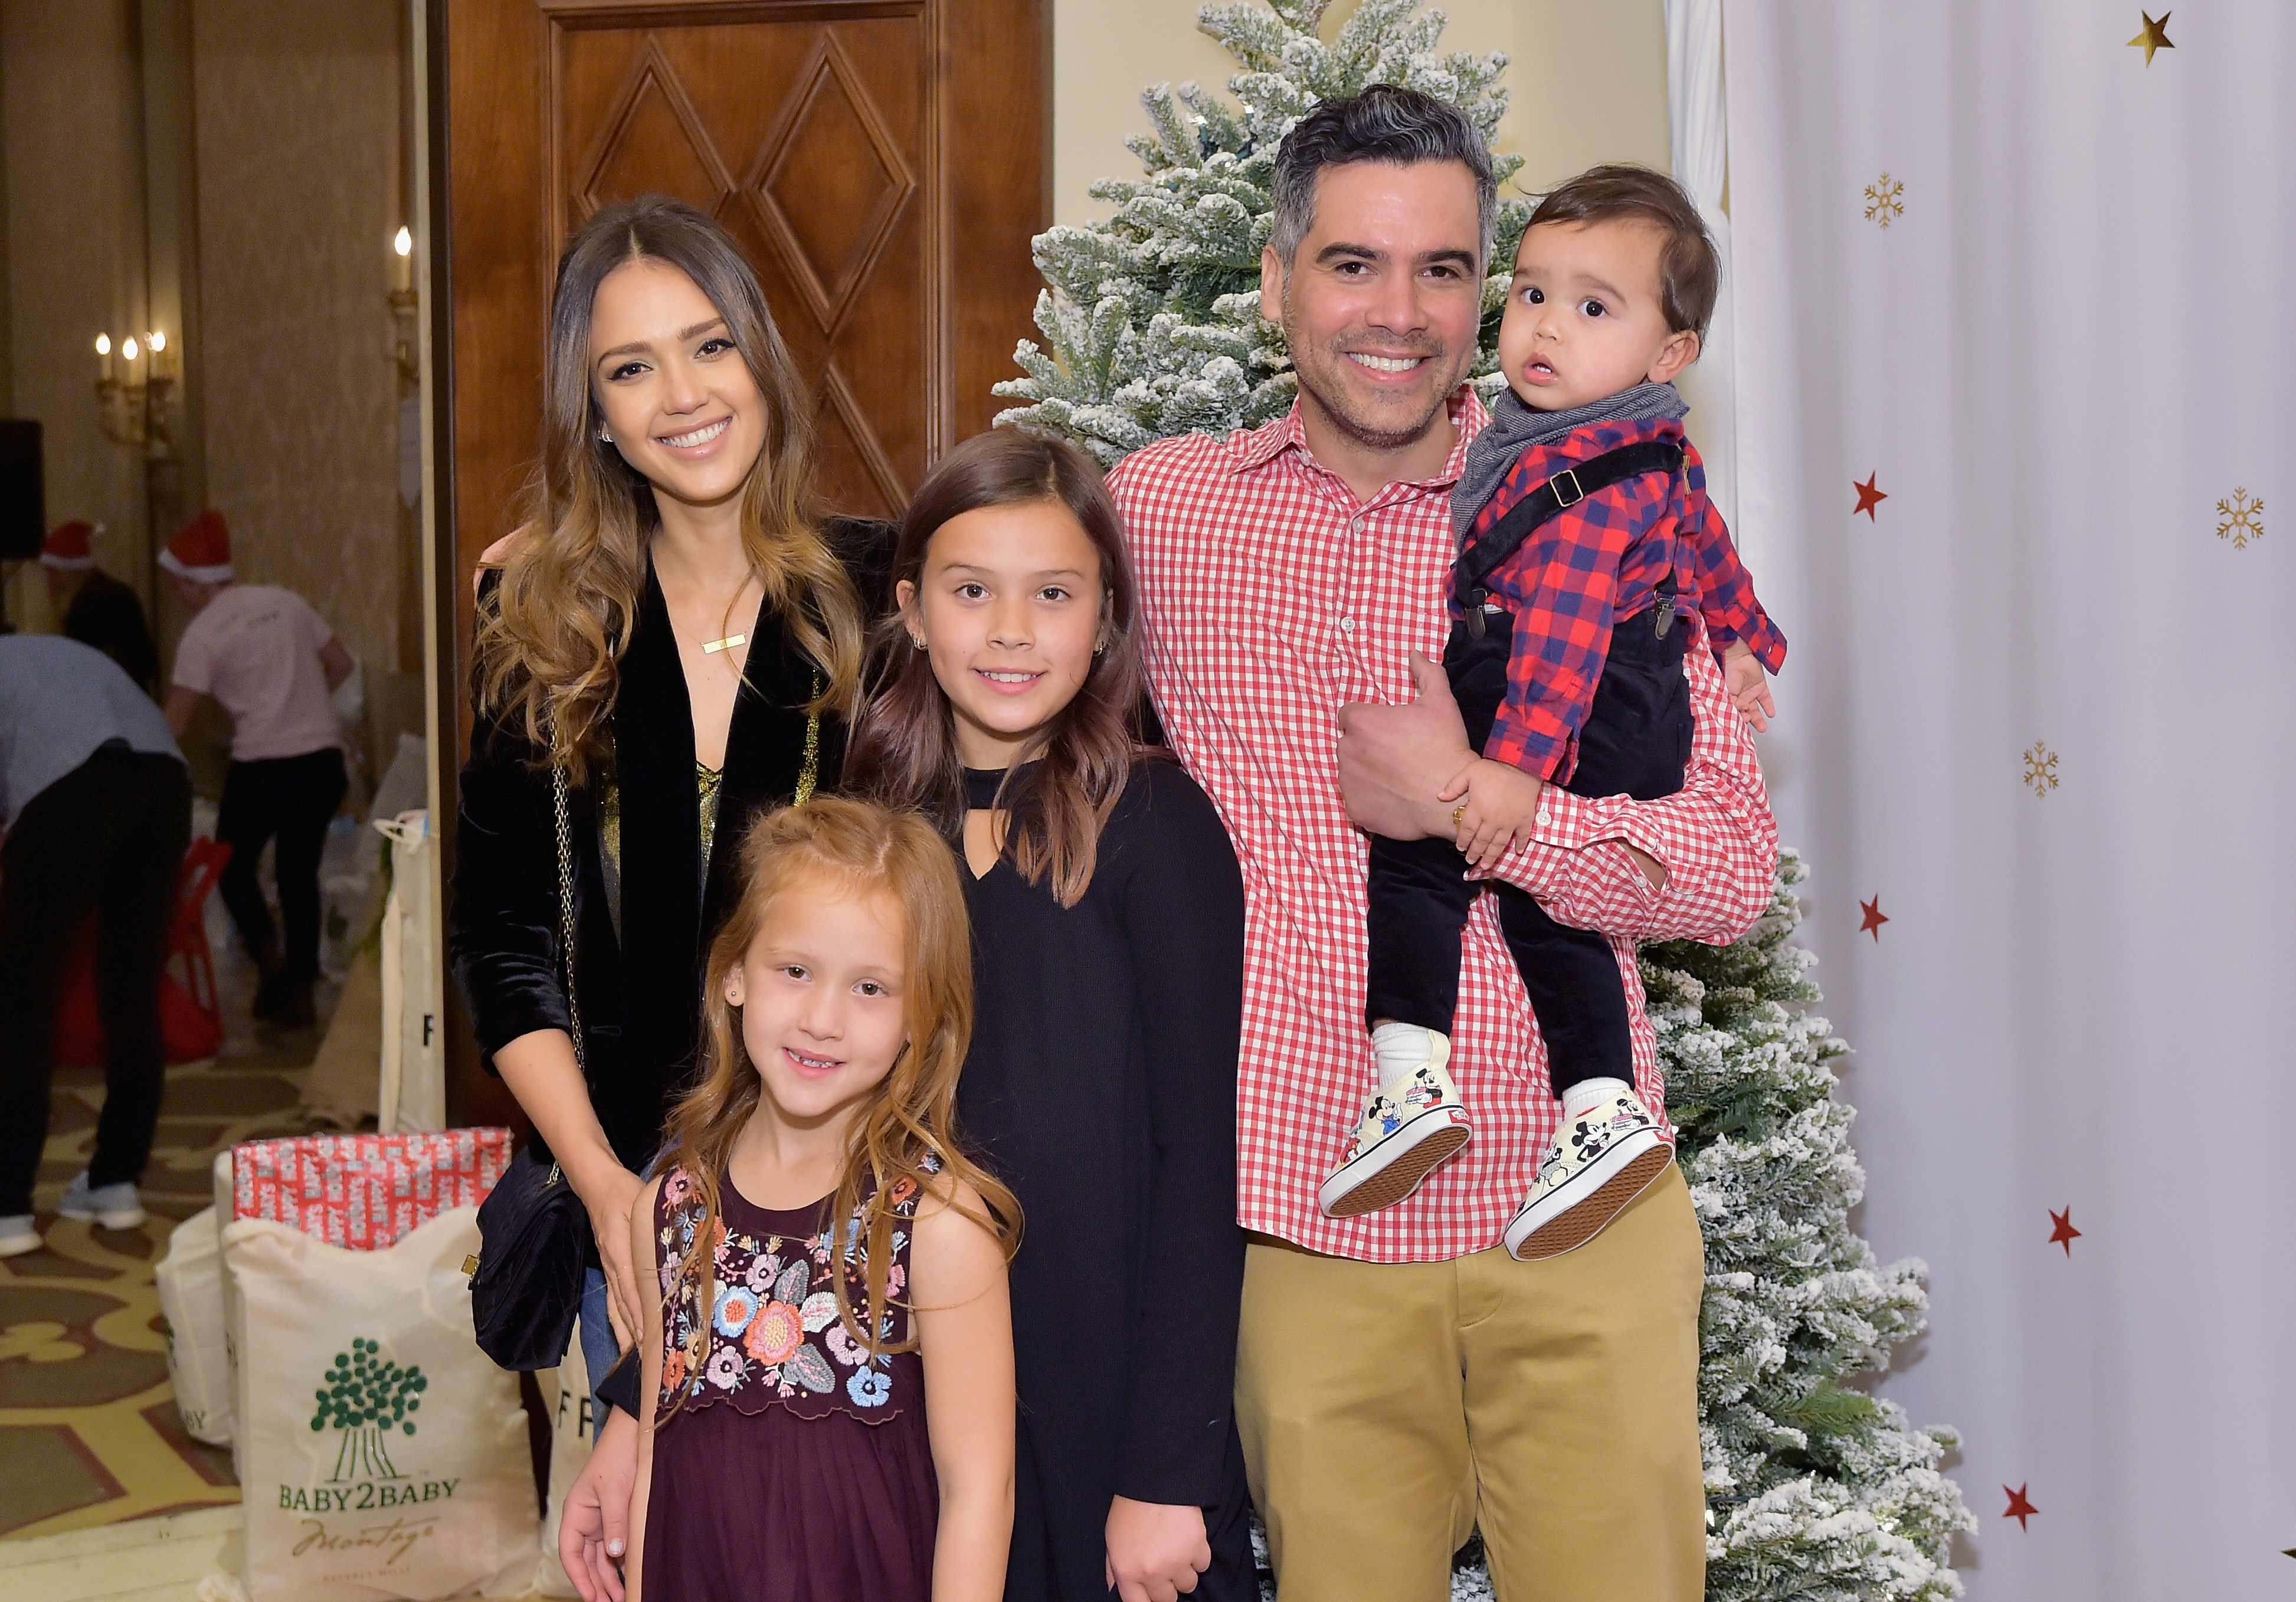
{"x":1272,"y":597}
{"x":1597,"y":561}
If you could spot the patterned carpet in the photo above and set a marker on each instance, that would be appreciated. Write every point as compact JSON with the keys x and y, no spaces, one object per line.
{"x":88,"y":1429}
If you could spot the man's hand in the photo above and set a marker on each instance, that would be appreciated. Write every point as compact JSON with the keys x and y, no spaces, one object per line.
{"x":1155,"y":1551}
{"x":497,"y":554}
{"x":1395,"y":761}
{"x":594,"y":1530}
{"x":1749,"y":686}
{"x":1501,"y":806}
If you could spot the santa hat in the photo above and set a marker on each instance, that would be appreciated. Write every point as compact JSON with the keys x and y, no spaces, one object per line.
{"x":65,"y":549}
{"x":201,"y":550}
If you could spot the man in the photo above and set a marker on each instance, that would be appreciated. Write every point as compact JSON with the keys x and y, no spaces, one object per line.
{"x":95,"y":812}
{"x":1401,"y":1379}
{"x":275,"y":665}
{"x":94,"y":608}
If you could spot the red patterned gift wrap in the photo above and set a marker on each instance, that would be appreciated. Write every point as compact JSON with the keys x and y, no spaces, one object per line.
{"x":366,"y":1192}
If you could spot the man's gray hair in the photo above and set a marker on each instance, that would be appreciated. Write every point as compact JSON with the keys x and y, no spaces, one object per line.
{"x":1385,"y":123}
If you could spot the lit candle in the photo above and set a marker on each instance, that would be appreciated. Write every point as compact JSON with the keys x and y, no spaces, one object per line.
{"x":128,"y":350}
{"x":103,"y":352}
{"x":402,"y":263}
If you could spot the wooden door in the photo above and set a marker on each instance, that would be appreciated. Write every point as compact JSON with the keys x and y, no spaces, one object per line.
{"x":882,"y":161}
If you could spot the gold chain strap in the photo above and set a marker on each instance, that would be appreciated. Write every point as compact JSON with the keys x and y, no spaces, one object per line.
{"x":566,"y":920}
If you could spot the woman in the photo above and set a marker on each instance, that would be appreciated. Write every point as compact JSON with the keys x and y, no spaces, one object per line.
{"x":678,"y":632}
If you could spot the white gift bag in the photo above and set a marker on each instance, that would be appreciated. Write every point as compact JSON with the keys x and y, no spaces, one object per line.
{"x":220,"y":1176}
{"x":381,"y":1454}
{"x":414,"y":1087}
{"x":566,"y":1390}
{"x":190,"y":1301}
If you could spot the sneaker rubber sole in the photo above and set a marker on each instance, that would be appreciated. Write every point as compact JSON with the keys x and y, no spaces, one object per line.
{"x":118,"y":1218}
{"x":16,"y":1245}
{"x":1446,"y":1132}
{"x":1575,"y":1226}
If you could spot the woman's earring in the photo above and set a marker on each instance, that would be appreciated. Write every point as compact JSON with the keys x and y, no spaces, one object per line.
{"x":918,"y":640}
{"x":604,"y":438}
{"x":1099,"y":648}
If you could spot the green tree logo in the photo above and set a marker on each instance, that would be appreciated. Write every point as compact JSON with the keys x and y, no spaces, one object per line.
{"x":366,"y":1399}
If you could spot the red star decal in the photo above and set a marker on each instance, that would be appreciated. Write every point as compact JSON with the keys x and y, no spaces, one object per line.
{"x":1874,"y":920}
{"x":2065,"y":1234}
{"x":1868,"y":497}
{"x":2020,"y":1508}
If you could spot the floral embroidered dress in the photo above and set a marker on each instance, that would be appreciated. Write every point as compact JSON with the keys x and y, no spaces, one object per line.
{"x":794,"y":1466}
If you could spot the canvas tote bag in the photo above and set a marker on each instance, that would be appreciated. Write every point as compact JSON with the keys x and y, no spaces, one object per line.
{"x":190,"y":1279}
{"x":381,"y":1453}
{"x":566,"y":1392}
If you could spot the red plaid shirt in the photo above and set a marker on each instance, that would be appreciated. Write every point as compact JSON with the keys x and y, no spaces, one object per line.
{"x":1596,"y":561}
{"x":1272,"y":597}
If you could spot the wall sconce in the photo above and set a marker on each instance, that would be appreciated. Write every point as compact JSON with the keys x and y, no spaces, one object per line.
{"x":404,"y":303}
{"x":132,"y":395}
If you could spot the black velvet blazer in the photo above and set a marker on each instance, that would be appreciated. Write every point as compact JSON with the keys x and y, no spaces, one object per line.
{"x":641,"y":993}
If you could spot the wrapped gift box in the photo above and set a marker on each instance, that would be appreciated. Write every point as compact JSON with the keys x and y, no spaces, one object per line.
{"x":366,"y":1192}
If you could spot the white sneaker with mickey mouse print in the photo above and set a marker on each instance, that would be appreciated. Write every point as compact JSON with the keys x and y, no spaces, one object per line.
{"x":1601,"y":1160}
{"x":1412,"y":1127}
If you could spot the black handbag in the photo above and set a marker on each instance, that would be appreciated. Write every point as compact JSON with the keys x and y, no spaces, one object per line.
{"x":533,"y":1232}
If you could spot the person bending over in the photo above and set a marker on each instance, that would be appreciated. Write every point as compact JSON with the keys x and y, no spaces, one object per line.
{"x":275,"y":665}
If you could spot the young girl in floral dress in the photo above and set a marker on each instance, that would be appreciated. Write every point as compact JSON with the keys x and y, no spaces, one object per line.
{"x":1108,"y":974}
{"x":829,"y":1357}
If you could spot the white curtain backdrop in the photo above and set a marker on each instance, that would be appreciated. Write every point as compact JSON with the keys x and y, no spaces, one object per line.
{"x":2037,"y":712}
{"x":1700,"y":140}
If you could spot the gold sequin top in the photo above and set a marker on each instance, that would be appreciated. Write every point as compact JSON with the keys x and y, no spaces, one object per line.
{"x":707,"y":781}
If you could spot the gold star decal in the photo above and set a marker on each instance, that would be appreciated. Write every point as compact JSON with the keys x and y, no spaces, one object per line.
{"x":2154,"y":37}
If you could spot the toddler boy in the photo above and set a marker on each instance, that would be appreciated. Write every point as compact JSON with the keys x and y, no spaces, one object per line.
{"x":1584,"y":532}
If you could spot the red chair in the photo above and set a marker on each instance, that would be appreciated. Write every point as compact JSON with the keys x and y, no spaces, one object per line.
{"x":190,"y":1008}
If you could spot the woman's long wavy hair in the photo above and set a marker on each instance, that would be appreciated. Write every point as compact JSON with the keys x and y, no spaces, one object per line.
{"x":550,"y":637}
{"x":835,"y":847}
{"x":1058,"y":792}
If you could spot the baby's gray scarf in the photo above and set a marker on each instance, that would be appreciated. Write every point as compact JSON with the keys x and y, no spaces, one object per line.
{"x":1514,"y":428}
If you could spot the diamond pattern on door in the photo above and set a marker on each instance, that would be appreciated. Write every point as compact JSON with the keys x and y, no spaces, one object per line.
{"x":654,"y":142}
{"x":845,"y":432}
{"x":830,"y":216}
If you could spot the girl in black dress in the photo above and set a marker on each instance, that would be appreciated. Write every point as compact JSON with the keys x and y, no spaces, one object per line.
{"x":1108,"y":933}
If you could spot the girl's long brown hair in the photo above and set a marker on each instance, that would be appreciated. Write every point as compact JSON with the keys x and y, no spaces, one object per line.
{"x":551,"y":635}
{"x":1058,"y":793}
{"x":840,"y":847}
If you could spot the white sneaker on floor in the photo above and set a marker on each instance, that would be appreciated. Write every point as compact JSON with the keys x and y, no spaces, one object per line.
{"x":18,"y":1236}
{"x":1412,"y":1127}
{"x":114,"y":1207}
{"x":1598,"y":1163}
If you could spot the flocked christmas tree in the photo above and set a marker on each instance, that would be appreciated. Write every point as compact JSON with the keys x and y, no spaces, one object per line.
{"x":1815,"y":1489}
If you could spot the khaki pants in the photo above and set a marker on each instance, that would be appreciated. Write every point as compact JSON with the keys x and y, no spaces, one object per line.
{"x":1388,"y":1409}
